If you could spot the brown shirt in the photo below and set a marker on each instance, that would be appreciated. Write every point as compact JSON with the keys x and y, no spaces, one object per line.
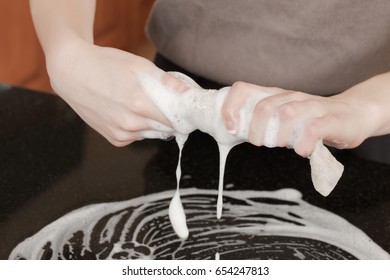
{"x":319,"y":47}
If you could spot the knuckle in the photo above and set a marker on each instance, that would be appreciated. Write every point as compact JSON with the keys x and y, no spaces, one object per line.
{"x":315,"y":104}
{"x":239,"y":85}
{"x":264,"y":107}
{"x":171,"y":82}
{"x":287,"y":111}
{"x":118,"y":136}
{"x":298,"y":95}
{"x":137,"y":105}
{"x":128,"y":124}
{"x":167,"y":79}
{"x":277,"y":89}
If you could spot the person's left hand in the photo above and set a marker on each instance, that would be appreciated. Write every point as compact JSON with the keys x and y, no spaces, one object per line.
{"x":340,"y":121}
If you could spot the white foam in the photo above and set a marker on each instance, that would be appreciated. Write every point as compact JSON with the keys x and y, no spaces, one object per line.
{"x":223,"y":152}
{"x":271,"y":132}
{"x":176,"y":211}
{"x":177,"y":216}
{"x":107,"y":229}
{"x":199,"y":108}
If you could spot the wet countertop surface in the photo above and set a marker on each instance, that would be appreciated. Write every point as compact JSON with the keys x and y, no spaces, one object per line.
{"x":52,"y":163}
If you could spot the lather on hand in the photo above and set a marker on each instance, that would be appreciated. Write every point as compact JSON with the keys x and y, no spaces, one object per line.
{"x":198,"y":108}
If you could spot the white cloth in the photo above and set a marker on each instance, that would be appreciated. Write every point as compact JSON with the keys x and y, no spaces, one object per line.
{"x":198,"y":108}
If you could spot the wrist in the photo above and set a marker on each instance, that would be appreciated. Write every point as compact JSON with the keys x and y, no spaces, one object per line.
{"x":64,"y":44}
{"x":379,"y":101}
{"x":64,"y":63}
{"x":368,"y":99}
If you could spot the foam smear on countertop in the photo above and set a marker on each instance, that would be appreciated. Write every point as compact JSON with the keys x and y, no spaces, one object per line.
{"x":255,"y":225}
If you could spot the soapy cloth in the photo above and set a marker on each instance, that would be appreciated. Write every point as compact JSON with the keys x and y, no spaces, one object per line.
{"x":199,"y":108}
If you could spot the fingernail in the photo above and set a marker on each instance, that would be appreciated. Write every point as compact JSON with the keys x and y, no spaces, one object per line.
{"x":230,"y":126}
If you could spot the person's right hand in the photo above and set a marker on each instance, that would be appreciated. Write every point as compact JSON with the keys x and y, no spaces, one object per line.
{"x":101,"y":85}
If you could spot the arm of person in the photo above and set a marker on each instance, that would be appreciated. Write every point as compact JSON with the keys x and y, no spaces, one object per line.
{"x":342,"y":121}
{"x":99,"y":83}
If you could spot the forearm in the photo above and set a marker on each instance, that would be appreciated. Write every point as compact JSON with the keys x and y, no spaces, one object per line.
{"x":61,"y":22}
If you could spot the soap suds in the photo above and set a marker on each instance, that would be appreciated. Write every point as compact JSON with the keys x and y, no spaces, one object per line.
{"x":271,"y":135}
{"x":255,"y":225}
{"x":223,"y":153}
{"x":198,"y":108}
{"x":177,"y":215}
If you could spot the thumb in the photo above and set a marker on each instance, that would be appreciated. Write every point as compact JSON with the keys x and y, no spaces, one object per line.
{"x":178,"y":82}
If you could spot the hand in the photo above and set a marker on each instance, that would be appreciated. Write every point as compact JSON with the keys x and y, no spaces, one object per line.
{"x":101,"y":85}
{"x":340,"y":121}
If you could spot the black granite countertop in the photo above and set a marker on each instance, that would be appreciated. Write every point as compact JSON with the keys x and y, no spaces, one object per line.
{"x":52,"y":163}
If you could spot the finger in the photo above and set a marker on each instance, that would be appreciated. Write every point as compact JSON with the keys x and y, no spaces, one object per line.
{"x":265,"y":121}
{"x":115,"y":136}
{"x":287,"y":120}
{"x":177,"y":82}
{"x":333,"y":132}
{"x":293,"y":115}
{"x":262,"y":114}
{"x":313,"y":130}
{"x":131,"y":122}
{"x":143,"y":106}
{"x":230,"y":108}
{"x":108,"y":129}
{"x":153,"y":134}
{"x":121,"y":117}
{"x":239,"y":94}
{"x":151,"y":130}
{"x":154,"y":125}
